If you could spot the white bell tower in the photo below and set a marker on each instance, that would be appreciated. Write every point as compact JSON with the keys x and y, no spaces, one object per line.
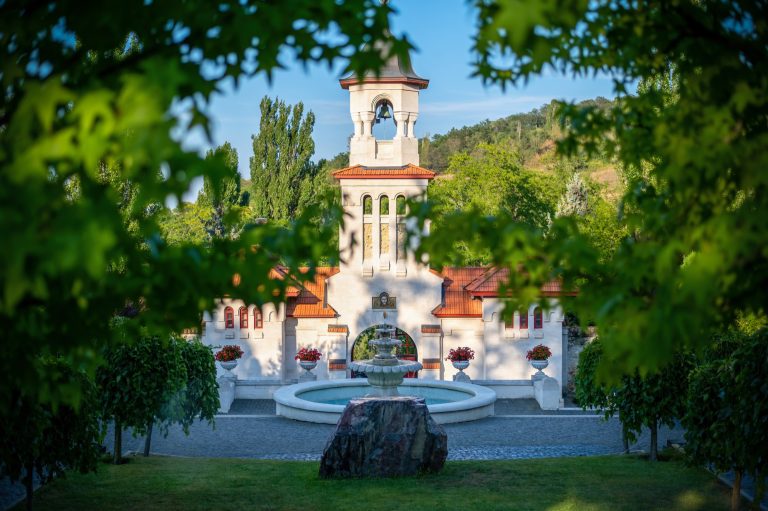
{"x":393,"y":94}
{"x":382,"y":174}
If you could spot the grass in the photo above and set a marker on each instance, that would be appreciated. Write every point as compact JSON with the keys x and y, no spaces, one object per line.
{"x":587,"y":483}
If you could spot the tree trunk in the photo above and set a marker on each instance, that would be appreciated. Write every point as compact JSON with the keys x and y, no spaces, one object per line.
{"x":654,"y":440}
{"x":118,"y":448}
{"x":625,"y":441}
{"x":736,"y":491}
{"x":759,"y":488}
{"x":29,"y":483}
{"x":148,"y":440}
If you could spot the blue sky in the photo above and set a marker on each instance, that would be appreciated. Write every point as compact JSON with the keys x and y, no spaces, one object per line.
{"x":442,"y":32}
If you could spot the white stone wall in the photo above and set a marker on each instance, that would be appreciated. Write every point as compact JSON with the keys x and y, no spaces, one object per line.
{"x":506,"y":347}
{"x":262,"y":358}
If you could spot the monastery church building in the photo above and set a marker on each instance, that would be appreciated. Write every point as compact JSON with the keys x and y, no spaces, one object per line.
{"x":378,"y":283}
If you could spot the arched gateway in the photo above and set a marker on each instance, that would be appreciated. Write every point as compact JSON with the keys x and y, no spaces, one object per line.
{"x":362,"y":351}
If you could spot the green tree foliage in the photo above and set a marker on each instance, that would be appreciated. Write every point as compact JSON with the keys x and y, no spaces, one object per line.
{"x":223,"y":192}
{"x":640,"y":401}
{"x":281,"y":159}
{"x":71,"y":103}
{"x":140,"y":385}
{"x":701,"y":198}
{"x":727,"y":417}
{"x":575,"y":201}
{"x":46,"y":441}
{"x":223,"y":197}
{"x":320,"y":191}
{"x":185,"y":224}
{"x":200,"y":397}
{"x":490,"y":181}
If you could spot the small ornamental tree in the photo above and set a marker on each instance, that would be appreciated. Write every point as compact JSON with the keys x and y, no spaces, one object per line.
{"x":640,"y":401}
{"x":200,"y":397}
{"x":140,"y":385}
{"x":39,"y":439}
{"x":727,"y":413}
{"x":652,"y":400}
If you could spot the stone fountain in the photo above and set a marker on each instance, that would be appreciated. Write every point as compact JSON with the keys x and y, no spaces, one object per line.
{"x":385,"y":434}
{"x":385,"y":371}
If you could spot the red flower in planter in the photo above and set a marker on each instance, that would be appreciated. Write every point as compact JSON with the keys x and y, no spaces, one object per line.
{"x":308,"y":355}
{"x":539,"y":352}
{"x":460,"y":354}
{"x":229,"y":353}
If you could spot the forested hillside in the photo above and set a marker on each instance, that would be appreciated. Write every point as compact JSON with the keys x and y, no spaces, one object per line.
{"x":531,"y":135}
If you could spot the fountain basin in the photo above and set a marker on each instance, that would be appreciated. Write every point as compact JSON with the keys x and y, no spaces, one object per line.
{"x":324,"y":401}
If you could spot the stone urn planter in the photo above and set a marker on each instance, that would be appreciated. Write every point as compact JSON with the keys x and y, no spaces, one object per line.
{"x":461,"y":365}
{"x":308,"y":365}
{"x":228,"y":365}
{"x":538,"y":356}
{"x":539,"y":365}
{"x":460,"y":358}
{"x":308,"y":358}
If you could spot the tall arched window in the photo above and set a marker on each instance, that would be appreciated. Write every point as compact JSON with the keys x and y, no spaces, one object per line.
{"x":229,"y":317}
{"x":384,"y":205}
{"x":524,"y":319}
{"x":537,"y":318}
{"x":243,"y":317}
{"x":400,"y":205}
{"x":258,"y":319}
{"x":367,"y":205}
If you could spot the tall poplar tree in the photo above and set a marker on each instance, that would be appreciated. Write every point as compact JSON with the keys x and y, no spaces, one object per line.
{"x":280,"y":161}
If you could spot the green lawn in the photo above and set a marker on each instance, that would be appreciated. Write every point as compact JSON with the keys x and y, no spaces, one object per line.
{"x":607,"y":482}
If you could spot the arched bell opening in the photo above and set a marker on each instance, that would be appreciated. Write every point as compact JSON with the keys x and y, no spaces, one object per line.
{"x":362,"y":351}
{"x":384,"y":124}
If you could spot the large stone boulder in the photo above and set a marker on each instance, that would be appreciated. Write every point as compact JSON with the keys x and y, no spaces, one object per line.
{"x":389,"y":437}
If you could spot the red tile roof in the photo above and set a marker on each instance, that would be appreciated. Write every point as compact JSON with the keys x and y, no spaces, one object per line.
{"x":309,"y":302}
{"x":404,"y":172}
{"x":487,"y":285}
{"x":338,"y":329}
{"x":457,"y":302}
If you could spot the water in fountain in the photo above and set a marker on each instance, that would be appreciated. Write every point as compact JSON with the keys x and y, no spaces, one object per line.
{"x":385,"y":371}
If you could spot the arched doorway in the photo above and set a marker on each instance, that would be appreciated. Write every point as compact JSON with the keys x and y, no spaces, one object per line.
{"x":362,"y":351}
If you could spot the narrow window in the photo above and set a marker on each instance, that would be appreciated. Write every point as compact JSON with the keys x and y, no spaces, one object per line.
{"x":243,"y":317}
{"x":367,"y":205}
{"x":537,"y":324}
{"x":524,"y":320}
{"x":384,"y":205}
{"x":258,"y":320}
{"x":229,"y":317}
{"x":400,"y":205}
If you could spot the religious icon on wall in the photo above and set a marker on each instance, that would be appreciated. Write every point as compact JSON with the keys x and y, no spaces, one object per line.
{"x":384,"y":301}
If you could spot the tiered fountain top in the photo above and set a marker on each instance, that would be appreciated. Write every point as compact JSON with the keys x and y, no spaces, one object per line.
{"x":385,"y":361}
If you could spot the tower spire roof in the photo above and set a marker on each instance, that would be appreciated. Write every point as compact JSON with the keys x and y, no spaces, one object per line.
{"x":395,"y":70}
